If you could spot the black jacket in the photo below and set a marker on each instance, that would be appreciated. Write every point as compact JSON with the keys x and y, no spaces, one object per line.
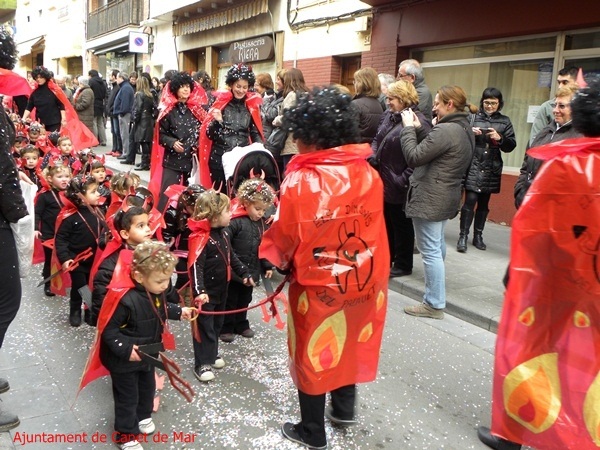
{"x":209,"y":272}
{"x":76,"y":233}
{"x":369,"y":115}
{"x":12,"y":205}
{"x":47,"y":207}
{"x":176,"y":229}
{"x":269,"y":110}
{"x":179,"y":125}
{"x":143,"y":107}
{"x":237,"y":130}
{"x":531,"y":166}
{"x":388,"y":157}
{"x":110,"y":103}
{"x":98,"y":85}
{"x":134,"y":322}
{"x":246,"y":235}
{"x":485,"y":171}
{"x":47,"y":105}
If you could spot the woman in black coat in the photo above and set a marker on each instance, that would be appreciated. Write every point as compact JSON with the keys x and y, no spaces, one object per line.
{"x":389,"y":160}
{"x":368,"y":89}
{"x":143,"y":108}
{"x":493,"y":134}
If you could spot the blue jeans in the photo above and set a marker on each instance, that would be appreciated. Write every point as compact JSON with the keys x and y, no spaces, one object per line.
{"x":432,"y":245}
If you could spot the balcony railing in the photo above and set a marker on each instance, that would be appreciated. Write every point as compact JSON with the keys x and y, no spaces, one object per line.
{"x":114,"y":16}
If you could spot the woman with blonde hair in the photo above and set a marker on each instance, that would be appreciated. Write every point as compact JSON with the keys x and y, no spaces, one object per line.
{"x":293,"y":84}
{"x":440,"y":162}
{"x":143,"y":107}
{"x":368,"y":89}
{"x":388,"y":159}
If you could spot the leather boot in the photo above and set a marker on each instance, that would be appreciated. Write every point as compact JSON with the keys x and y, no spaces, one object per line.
{"x":145,"y":163}
{"x":484,"y":434}
{"x":480,"y":218}
{"x":466,"y":218}
{"x":8,"y":421}
{"x":75,"y":317}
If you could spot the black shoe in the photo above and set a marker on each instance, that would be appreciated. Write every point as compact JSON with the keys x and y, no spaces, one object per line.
{"x":87,"y":317}
{"x":48,"y":292}
{"x":75,"y":318}
{"x":130,"y":163}
{"x":121,"y":158}
{"x":141,"y":167}
{"x":461,"y":245}
{"x":484,"y":434}
{"x":289,"y":431}
{"x":336,"y":420}
{"x":8,"y":421}
{"x":478,"y":242}
{"x":396,"y":272}
{"x":4,"y":386}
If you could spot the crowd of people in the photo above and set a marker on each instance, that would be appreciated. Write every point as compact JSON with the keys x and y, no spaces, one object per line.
{"x":407,"y":160}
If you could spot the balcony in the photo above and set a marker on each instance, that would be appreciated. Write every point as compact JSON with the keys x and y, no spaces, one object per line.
{"x":114,"y":16}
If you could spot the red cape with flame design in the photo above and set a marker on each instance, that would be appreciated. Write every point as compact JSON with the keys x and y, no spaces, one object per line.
{"x":547,"y":370}
{"x":331,"y":233}
{"x":253,"y":102}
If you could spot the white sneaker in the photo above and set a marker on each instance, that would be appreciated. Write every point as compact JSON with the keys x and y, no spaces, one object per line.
{"x":219,"y":363}
{"x":204,"y":373}
{"x":147,"y":426}
{"x":131,"y":445}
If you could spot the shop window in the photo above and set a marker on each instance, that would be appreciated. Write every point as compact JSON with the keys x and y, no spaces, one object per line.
{"x":582,"y":41}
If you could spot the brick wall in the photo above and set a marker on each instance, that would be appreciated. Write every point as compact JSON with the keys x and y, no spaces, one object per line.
{"x":317,"y":71}
{"x":383,"y":60}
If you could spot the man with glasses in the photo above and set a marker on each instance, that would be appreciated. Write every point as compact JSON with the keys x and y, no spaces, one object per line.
{"x":410,"y":70}
{"x":560,"y":128}
{"x":545,"y":116}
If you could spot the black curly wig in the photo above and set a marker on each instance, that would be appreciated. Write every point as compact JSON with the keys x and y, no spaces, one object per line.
{"x":77,"y":188}
{"x":41,"y":71}
{"x":585,"y":109}
{"x":240,"y":72}
{"x":180,"y":79}
{"x":8,"y":49}
{"x":324,"y":118}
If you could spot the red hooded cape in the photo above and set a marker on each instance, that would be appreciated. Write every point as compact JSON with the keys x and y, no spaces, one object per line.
{"x":330,"y":231}
{"x":167,"y":103}
{"x":253,"y":102}
{"x":547,"y":368}
{"x":119,"y":285}
{"x":81,"y":136}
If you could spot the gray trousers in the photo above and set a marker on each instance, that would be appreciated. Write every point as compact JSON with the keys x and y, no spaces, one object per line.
{"x":124,"y":129}
{"x":99,"y":129}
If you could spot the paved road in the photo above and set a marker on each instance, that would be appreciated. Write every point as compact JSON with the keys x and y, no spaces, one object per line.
{"x":433,"y":389}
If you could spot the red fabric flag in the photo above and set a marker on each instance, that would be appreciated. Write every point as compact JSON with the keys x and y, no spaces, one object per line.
{"x":330,"y":232}
{"x":547,"y":368}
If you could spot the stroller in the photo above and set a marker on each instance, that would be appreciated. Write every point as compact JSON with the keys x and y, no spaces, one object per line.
{"x":253,"y":160}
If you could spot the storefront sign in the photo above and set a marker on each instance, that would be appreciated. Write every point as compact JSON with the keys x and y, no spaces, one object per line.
{"x":252,"y":50}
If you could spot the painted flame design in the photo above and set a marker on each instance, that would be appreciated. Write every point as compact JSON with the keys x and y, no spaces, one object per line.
{"x":527,"y":317}
{"x":326,"y":344}
{"x":303,"y":303}
{"x":532,"y":394}
{"x":581,"y":320}
{"x":366,"y":333}
{"x":591,"y":412}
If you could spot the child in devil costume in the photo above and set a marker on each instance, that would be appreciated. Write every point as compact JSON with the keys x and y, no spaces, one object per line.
{"x":79,"y":226}
{"x":30,"y":158}
{"x":254,"y":198}
{"x":210,"y":261}
{"x":48,"y":204}
{"x":131,"y":318}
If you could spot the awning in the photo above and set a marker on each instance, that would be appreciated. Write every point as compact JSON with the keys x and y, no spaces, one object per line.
{"x":113,"y":46}
{"x":24,"y":48}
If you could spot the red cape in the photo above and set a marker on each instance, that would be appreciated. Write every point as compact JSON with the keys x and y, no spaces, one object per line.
{"x":237,"y":209}
{"x":200,"y":232}
{"x":81,"y":136}
{"x":167,"y":103}
{"x":334,"y":240}
{"x":547,"y":365}
{"x":59,"y":284}
{"x":13,"y":84}
{"x":119,"y":285}
{"x":253,"y":102}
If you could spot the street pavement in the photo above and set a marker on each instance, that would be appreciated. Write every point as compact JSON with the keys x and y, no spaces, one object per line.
{"x":432,"y":391}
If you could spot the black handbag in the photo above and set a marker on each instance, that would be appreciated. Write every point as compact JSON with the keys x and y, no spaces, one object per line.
{"x":276,"y":141}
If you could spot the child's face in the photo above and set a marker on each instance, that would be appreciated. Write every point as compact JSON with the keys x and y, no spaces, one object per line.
{"x":34,"y":135}
{"x":92,"y":196}
{"x":60,"y":180}
{"x":31,"y":160}
{"x":138,"y":232}
{"x":20,"y":144}
{"x":222,"y":220}
{"x":256,"y":209}
{"x":99,"y":174}
{"x":66,"y":147}
{"x":156,"y":282}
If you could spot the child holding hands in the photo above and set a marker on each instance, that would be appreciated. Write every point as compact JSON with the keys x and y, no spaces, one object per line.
{"x":138,"y":318}
{"x":210,"y":262}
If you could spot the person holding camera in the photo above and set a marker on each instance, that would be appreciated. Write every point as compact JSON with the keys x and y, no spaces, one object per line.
{"x":389,"y":160}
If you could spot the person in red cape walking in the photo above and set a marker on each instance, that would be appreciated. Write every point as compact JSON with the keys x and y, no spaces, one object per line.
{"x":329,"y":233}
{"x":176,"y":135}
{"x":547,"y":365}
{"x":234,"y":121}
